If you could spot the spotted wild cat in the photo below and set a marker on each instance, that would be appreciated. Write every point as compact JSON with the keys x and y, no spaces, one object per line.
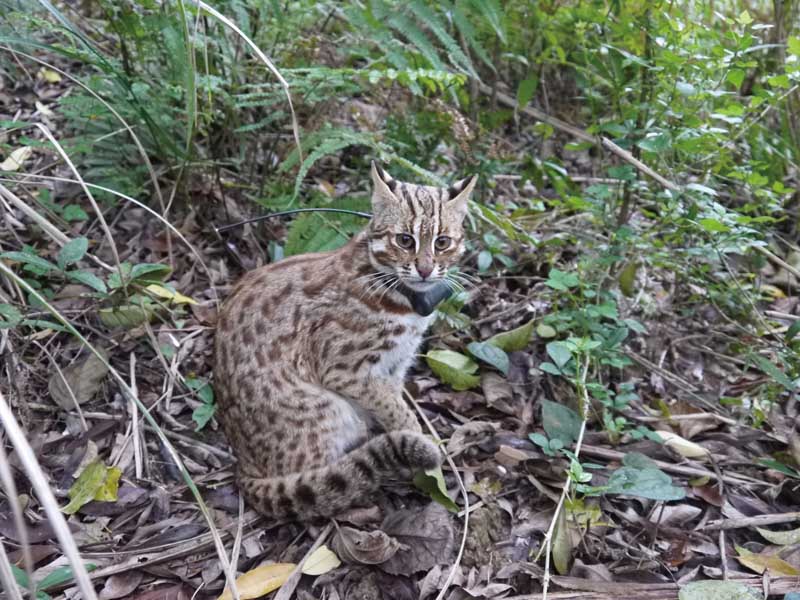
{"x":311,"y":353}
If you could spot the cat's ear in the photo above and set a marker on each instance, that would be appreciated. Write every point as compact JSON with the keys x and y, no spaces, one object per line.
{"x":459,"y":193}
{"x":383,"y":186}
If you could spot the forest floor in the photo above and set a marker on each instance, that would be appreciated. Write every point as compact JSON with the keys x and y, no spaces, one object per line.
{"x":153,"y":540}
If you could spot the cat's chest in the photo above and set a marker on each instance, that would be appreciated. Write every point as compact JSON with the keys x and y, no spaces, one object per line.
{"x":403,"y":337}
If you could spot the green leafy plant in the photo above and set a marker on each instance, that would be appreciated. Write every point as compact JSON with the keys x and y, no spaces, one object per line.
{"x":57,"y":577}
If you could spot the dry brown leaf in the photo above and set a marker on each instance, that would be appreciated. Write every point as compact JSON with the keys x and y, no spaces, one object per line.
{"x":364,"y":547}
{"x":467,"y":435}
{"x":81,"y":380}
{"x":498,"y":392}
{"x":120,"y":585}
{"x":426,"y":538}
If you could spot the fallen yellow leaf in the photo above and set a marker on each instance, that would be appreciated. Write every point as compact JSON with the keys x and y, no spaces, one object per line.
{"x":322,"y":560}
{"x":762,"y":562}
{"x":176,"y":297}
{"x":49,"y":75}
{"x":260,"y":581}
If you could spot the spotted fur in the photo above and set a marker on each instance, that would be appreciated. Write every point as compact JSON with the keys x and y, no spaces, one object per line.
{"x":311,"y":353}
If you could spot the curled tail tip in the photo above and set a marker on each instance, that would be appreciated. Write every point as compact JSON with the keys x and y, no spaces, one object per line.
{"x":419,"y":451}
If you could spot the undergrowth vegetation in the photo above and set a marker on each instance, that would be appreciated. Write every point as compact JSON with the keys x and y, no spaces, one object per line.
{"x":638,"y":203}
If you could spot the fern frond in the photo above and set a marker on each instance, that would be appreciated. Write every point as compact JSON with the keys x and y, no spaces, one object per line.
{"x":332,"y":143}
{"x":432,"y":21}
{"x":407,"y":27}
{"x":466,"y":29}
{"x":320,"y":232}
{"x":493,"y":13}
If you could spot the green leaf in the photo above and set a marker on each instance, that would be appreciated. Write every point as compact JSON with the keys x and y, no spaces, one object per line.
{"x":60,"y":576}
{"x":453,"y":368}
{"x":73,"y":212}
{"x":515,"y":339}
{"x":637,"y":460}
{"x":774,"y":372}
{"x":627,"y":279}
{"x":735,"y":77}
{"x":30,"y":259}
{"x":793,"y":330}
{"x":744,"y":18}
{"x":108,"y":491}
{"x":72,"y":252}
{"x":11,"y":317}
{"x":779,"y":466}
{"x":714,"y":226}
{"x":526,"y":90}
{"x":560,"y":422}
{"x":491,"y":354}
{"x":88,"y":279}
{"x":484,"y":260}
{"x":550,"y":368}
{"x":649,"y":483}
{"x":86,"y":486}
{"x":149,"y":273}
{"x":718,"y":590}
{"x":203,"y":414}
{"x":20,"y":576}
{"x":703,"y":189}
{"x":559,"y":280}
{"x":126,"y":316}
{"x":201,"y":387}
{"x":655,"y":143}
{"x":546,"y":331}
{"x":432,"y":483}
{"x":560,"y":353}
{"x":562,"y":543}
{"x":793,"y":44}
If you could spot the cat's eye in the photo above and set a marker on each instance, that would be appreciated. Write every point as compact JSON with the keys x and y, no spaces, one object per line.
{"x":442,"y":243}
{"x":405,"y":241}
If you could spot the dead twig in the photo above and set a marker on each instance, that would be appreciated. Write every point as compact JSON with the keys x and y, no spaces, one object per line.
{"x":746,"y":522}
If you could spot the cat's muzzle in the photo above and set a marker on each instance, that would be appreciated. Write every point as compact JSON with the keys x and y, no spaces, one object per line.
{"x":425,"y":302}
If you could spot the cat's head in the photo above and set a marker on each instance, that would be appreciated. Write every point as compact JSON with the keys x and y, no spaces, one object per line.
{"x":416,"y":231}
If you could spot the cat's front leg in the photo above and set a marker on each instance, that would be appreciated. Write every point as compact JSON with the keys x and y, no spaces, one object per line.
{"x":383,"y":398}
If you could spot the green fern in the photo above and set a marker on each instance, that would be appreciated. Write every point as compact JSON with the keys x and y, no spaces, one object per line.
{"x":332,"y":140}
{"x":320,"y":232}
{"x":434,"y":23}
{"x":492,"y":12}
{"x":408,"y":28}
{"x":467,"y":30}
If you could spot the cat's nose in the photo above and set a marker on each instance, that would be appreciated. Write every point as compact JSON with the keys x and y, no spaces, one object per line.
{"x":424,"y":270}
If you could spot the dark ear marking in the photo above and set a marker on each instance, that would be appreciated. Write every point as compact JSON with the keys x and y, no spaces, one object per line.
{"x":459,"y":186}
{"x":390,"y":182}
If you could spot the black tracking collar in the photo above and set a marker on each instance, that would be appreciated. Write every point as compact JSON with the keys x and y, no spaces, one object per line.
{"x":424,"y":303}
